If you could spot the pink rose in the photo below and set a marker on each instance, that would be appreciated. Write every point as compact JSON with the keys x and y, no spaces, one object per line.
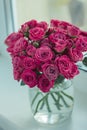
{"x":36,"y":33}
{"x":44,"y":84}
{"x":73,"y":31}
{"x":38,"y":65}
{"x":75,"y":54}
{"x":28,"y":25}
{"x":24,"y":28}
{"x":40,"y":53}
{"x":46,"y":42}
{"x":32,"y":23}
{"x":60,"y":45}
{"x":30,"y":50}
{"x":54,"y":37}
{"x":43,"y":25}
{"x":17,"y":67}
{"x":43,"y":54}
{"x":10,"y":50}
{"x":64,"y":25}
{"x":29,"y":63}
{"x":81,"y":44}
{"x":17,"y":75}
{"x":54,"y":23}
{"x":18,"y":63}
{"x":20,"y":46}
{"x":70,"y":43}
{"x":29,"y":77}
{"x":73,"y":71}
{"x":66,"y":67}
{"x":50,"y":71}
{"x":83,"y":33}
{"x":12,"y":38}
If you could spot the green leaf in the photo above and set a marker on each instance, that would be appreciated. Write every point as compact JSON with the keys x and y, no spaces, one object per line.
{"x":26,"y":34}
{"x":59,"y":79}
{"x":85,"y":61}
{"x":22,"y":83}
{"x":36,"y":44}
{"x":73,"y":37}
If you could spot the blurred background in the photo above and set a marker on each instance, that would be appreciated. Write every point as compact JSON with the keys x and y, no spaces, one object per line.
{"x":16,"y":12}
{"x":13,"y":13}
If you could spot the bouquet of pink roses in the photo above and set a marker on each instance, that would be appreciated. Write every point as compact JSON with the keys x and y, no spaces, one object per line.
{"x":41,"y":53}
{"x":43,"y":56}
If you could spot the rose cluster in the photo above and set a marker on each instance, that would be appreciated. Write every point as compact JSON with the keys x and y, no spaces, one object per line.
{"x":41,"y":52}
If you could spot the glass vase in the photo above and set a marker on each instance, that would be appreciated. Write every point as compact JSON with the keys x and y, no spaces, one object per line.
{"x":54,"y":106}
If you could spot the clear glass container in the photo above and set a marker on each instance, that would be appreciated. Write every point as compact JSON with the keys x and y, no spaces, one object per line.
{"x":52,"y":107}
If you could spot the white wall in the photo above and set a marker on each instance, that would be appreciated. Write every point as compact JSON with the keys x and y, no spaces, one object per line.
{"x":31,"y":9}
{"x":47,"y":9}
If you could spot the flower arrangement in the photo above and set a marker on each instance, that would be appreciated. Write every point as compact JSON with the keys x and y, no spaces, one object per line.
{"x":44,"y":55}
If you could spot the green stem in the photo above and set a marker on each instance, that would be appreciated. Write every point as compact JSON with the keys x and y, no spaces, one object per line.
{"x":36,"y":110}
{"x":61,"y":97}
{"x":64,"y":101}
{"x":47,"y":104}
{"x":67,"y":95}
{"x":56,"y":102}
{"x":35,"y":98}
{"x":42,"y":105}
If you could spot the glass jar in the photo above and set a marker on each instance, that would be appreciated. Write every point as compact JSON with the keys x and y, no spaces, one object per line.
{"x":54,"y":106}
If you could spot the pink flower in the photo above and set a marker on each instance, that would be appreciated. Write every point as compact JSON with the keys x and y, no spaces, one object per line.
{"x":54,"y":23}
{"x":38,"y":65}
{"x":12,"y":38}
{"x":60,"y":45}
{"x":83,"y":33}
{"x":32,"y":23}
{"x":10,"y":50}
{"x":70,"y":43}
{"x":29,"y":63}
{"x":75,"y":54}
{"x":27,"y":25}
{"x":73,"y":71}
{"x":54,"y":37}
{"x":43,"y":25}
{"x":18,"y":64}
{"x":44,"y":84}
{"x":29,"y":77}
{"x":46,"y":42}
{"x":17,"y":67}
{"x":66,"y":67}
{"x":30,"y":50}
{"x":17,"y":75}
{"x":50,"y":71}
{"x":73,"y":31}
{"x":64,"y":25}
{"x":81,"y":44}
{"x":43,"y":54}
{"x":20,"y":46}
{"x":36,"y":33}
{"x":24,"y":28}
